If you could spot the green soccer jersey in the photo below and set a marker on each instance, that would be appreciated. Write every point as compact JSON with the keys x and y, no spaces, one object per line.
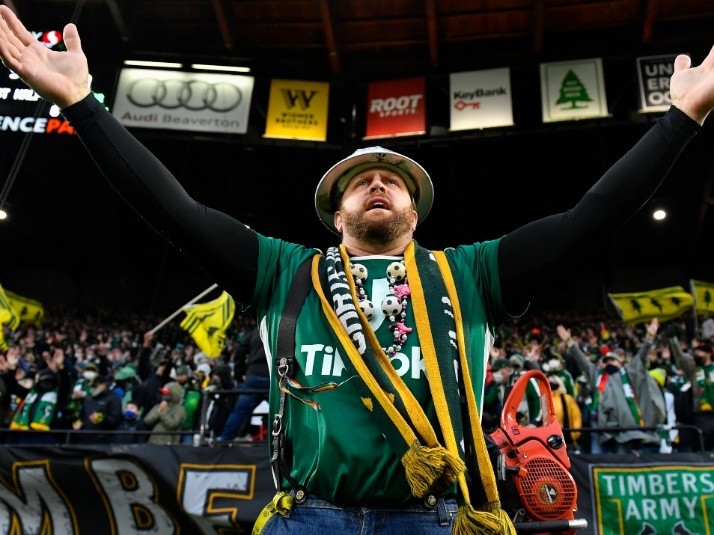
{"x":339,"y":452}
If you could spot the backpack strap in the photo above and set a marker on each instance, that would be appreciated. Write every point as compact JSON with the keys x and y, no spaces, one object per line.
{"x":284,"y":366}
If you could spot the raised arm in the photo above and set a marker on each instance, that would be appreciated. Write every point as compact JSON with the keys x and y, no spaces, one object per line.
{"x":692,"y":88}
{"x":223,"y":246}
{"x":555,"y":242}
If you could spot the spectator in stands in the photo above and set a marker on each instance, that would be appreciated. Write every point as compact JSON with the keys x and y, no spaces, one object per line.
{"x":100,"y":411}
{"x":697,"y":400}
{"x":42,"y":404}
{"x":81,"y":388}
{"x":203,"y":374}
{"x":254,"y":386}
{"x":625,"y":396}
{"x":125,"y":380}
{"x":529,"y":411}
{"x":495,"y":393}
{"x":554,"y":365}
{"x":154,"y":370}
{"x":669,"y":436}
{"x":567,"y":411}
{"x":191,"y":400}
{"x":167,"y":415}
{"x":221,"y":396}
{"x":134,"y":426}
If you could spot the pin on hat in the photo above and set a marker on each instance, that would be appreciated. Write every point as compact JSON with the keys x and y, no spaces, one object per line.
{"x":333,"y":183}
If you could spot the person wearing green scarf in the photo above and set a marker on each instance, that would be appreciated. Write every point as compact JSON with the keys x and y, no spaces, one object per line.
{"x":625,"y":396}
{"x":41,"y":406}
{"x":378,"y":345}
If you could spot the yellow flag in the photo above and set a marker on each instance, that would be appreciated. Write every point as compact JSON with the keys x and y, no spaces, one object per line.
{"x":207,"y":323}
{"x":29,"y":310}
{"x":8,"y":316}
{"x":664,"y":304}
{"x":703,"y":297}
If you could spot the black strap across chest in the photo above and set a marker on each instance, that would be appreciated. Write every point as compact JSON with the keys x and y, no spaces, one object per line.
{"x":284,"y":364}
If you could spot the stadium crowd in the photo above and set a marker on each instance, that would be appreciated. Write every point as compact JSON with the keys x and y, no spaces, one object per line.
{"x":78,"y":378}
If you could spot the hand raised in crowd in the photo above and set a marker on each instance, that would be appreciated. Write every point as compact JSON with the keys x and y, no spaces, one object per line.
{"x":56,"y":361}
{"x":652,"y":328}
{"x":11,"y":360}
{"x":563,"y":333}
{"x":148,"y":339}
{"x":532,"y":351}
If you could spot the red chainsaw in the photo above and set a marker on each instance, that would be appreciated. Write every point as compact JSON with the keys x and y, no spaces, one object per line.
{"x":532,"y":457}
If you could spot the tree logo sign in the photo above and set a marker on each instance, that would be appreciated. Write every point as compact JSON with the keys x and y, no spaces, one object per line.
{"x":573,"y":90}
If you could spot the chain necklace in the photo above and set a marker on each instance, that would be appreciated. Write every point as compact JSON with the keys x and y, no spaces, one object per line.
{"x":394,"y":305}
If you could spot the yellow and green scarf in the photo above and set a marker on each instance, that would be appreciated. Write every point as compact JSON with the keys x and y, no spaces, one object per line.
{"x":431,"y":463}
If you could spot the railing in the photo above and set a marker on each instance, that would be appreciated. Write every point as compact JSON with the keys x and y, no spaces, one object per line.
{"x":660,"y":429}
{"x":200,"y":438}
{"x":65,"y":436}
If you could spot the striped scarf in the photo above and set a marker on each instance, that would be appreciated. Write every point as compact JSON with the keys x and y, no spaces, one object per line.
{"x":630,"y":395}
{"x":430,"y":465}
{"x":36,"y":411}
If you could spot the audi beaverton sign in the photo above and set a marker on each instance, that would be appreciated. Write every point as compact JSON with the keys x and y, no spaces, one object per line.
{"x":178,"y":100}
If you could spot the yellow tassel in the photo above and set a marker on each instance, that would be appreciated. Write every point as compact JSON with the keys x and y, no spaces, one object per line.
{"x":430,"y":470}
{"x":469,"y":521}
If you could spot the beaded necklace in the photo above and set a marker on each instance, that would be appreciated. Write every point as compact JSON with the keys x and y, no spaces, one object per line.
{"x":394,"y":305}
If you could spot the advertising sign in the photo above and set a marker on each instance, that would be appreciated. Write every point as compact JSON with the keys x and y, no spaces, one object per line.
{"x":297,"y":109}
{"x":396,"y":108}
{"x":178,"y":100}
{"x":572,"y":90}
{"x":481,"y":99}
{"x":653,"y":73}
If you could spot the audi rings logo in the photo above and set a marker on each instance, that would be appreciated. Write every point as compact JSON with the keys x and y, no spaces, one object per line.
{"x":194,"y":95}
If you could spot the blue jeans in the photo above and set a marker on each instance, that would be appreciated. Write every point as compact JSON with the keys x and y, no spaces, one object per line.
{"x":245,"y":405}
{"x":317,"y":517}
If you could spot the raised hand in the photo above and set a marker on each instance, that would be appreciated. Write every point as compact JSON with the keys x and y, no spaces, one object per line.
{"x":59,"y":77}
{"x":692,"y":88}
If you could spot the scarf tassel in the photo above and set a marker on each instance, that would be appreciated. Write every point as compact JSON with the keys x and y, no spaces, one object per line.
{"x":469,"y":521}
{"x":430,"y":470}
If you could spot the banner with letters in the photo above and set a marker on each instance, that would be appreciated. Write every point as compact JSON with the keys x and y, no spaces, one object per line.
{"x":298,"y":109}
{"x":179,"y":100}
{"x":140,"y":488}
{"x":396,"y":108}
{"x":572,"y":90}
{"x":137,"y":488}
{"x":480,"y":99}
{"x":657,"y":494}
{"x":653,"y":73}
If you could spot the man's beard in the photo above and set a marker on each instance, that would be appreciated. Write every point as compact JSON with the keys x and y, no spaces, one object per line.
{"x":381,"y":232}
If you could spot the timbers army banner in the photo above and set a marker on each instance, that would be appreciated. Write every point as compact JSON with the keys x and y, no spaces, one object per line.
{"x":658,"y":494}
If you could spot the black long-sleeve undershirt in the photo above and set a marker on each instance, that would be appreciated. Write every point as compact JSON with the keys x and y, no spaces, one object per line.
{"x":227,"y":250}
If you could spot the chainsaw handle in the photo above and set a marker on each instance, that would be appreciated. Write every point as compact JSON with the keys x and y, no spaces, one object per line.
{"x":510,"y":407}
